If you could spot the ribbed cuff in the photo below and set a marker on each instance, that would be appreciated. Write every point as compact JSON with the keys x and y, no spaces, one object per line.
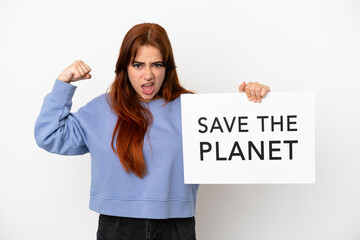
{"x":63,"y":89}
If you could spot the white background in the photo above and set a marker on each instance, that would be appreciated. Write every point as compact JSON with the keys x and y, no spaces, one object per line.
{"x":288,"y":45}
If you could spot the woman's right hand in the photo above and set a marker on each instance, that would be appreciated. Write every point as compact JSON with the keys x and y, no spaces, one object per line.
{"x":75,"y":72}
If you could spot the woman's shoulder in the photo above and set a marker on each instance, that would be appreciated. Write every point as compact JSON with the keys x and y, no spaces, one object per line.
{"x":98,"y":103}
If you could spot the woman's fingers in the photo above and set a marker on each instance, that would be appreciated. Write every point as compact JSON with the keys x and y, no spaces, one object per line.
{"x":87,"y":69}
{"x":258,"y":93}
{"x":242,"y":87}
{"x":264,"y":90}
{"x":247,"y":90}
{"x":254,"y":91}
{"x":82,"y":70}
{"x":78,"y":70}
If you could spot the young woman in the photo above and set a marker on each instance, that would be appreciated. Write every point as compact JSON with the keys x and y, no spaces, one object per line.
{"x":133,"y":133}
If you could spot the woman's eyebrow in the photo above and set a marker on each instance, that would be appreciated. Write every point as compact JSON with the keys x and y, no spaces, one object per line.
{"x":144,"y":63}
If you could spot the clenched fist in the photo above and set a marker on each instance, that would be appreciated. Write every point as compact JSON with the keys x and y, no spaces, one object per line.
{"x":75,"y":72}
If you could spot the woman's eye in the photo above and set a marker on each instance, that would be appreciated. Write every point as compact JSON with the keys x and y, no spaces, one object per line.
{"x":136,"y":65}
{"x":158,"y":65}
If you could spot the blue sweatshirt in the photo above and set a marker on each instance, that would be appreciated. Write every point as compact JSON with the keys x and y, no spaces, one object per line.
{"x":160,"y":194}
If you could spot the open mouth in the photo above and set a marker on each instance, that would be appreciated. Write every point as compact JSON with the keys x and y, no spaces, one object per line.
{"x":148,"y":88}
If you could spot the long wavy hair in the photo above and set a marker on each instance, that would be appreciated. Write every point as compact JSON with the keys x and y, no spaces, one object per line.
{"x":133,"y":118}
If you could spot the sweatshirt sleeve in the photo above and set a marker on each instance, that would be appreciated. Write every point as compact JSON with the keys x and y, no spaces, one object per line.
{"x":57,"y":130}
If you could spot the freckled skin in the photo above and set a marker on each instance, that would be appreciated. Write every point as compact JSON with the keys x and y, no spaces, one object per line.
{"x":147,"y":68}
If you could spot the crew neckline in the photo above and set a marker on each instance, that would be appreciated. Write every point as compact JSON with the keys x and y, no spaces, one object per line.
{"x":154,"y":103}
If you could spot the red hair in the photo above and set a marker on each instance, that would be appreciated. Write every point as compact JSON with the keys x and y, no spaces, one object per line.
{"x":134,"y":119}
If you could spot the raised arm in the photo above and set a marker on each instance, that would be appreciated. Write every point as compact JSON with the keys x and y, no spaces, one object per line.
{"x":57,"y":130}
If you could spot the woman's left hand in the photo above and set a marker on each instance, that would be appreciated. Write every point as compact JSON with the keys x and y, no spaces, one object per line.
{"x":254,"y":90}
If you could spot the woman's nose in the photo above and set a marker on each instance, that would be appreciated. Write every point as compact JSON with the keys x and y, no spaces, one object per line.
{"x":148,"y":73}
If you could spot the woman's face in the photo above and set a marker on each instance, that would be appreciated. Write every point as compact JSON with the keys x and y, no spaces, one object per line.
{"x":147,"y":72}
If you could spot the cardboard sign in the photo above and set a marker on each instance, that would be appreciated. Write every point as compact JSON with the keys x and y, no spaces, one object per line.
{"x":229,"y":139}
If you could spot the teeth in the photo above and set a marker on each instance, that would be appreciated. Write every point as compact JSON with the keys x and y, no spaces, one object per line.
{"x":148,"y":85}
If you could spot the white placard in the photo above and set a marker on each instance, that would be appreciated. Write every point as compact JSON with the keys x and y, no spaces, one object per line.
{"x":228,"y":139}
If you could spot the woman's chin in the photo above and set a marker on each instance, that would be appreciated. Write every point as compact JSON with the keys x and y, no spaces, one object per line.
{"x":148,"y":97}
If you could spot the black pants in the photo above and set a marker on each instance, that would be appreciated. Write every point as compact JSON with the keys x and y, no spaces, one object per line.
{"x":123,"y":228}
